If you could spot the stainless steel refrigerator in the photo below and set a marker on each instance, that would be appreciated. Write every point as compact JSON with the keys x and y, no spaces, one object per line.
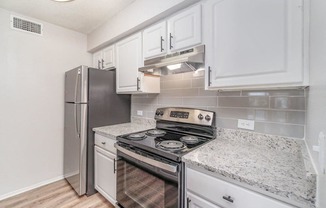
{"x":90,"y":101}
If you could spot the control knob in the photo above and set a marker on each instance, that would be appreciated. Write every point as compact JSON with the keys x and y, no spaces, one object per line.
{"x":200,"y":117}
{"x":161,"y":113}
{"x":207,"y":118}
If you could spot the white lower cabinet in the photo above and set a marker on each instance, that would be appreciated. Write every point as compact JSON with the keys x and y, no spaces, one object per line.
{"x":105,"y":168}
{"x":194,"y":201}
{"x":206,"y":191}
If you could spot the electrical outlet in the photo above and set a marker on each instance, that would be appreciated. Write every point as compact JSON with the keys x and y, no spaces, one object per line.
{"x":246,"y":124}
{"x":321,"y":152}
{"x":321,"y":142}
{"x":139,"y":113}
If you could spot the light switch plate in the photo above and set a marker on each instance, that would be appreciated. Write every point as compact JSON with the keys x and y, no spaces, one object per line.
{"x":246,"y":124}
{"x":139,"y":113}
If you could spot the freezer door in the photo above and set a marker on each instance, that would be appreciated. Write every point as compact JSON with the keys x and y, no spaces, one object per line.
{"x":75,"y":151}
{"x":76,"y":81}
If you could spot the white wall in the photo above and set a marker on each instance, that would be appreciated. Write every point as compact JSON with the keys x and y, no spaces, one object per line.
{"x":316,"y":112}
{"x":31,"y":101}
{"x":134,"y":17}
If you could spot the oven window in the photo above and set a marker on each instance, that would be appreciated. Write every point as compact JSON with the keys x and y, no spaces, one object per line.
{"x":137,"y":187}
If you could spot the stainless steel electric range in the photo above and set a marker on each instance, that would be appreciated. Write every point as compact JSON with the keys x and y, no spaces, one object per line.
{"x":150,"y":173}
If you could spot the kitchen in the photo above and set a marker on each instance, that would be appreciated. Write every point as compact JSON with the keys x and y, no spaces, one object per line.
{"x":281,"y":109}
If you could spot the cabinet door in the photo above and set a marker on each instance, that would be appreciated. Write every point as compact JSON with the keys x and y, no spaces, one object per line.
{"x":253,"y":42}
{"x":108,"y":57}
{"x":154,"y":40}
{"x":97,"y":57}
{"x":194,"y":201}
{"x":105,"y":176}
{"x":185,"y":29}
{"x":129,"y":59}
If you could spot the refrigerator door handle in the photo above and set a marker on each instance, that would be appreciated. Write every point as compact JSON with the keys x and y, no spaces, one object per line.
{"x":77,"y":121}
{"x":77,"y":85}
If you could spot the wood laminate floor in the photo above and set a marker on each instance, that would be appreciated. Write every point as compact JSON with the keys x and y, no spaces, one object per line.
{"x":55,"y":195}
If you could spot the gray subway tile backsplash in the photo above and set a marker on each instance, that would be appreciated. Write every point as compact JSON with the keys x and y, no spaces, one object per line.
{"x":234,"y":113}
{"x":176,"y":84}
{"x":244,"y":101}
{"x":288,"y":130}
{"x":291,"y":117}
{"x":278,"y":112}
{"x":200,"y":101}
{"x":294,"y":103}
{"x":198,"y":83}
{"x":172,"y":101}
{"x":179,"y":92}
{"x":145,"y":100}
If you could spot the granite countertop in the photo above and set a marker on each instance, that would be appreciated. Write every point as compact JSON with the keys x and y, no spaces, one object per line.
{"x":276,"y":166}
{"x":135,"y":125}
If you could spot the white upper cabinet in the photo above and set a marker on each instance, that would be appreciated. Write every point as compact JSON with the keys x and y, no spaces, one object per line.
{"x":108,"y":57}
{"x":254,"y":44}
{"x":184,"y":29}
{"x":97,"y":60}
{"x":104,"y":58}
{"x":154,"y":40}
{"x":129,"y":59}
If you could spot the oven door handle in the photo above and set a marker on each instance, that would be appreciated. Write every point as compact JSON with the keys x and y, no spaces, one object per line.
{"x":164,"y":166}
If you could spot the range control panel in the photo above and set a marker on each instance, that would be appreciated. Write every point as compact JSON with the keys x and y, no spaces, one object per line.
{"x":179,"y":114}
{"x":186,"y":115}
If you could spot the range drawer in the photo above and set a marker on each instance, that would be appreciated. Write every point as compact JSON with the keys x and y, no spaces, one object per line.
{"x":219,"y":191}
{"x":105,"y":143}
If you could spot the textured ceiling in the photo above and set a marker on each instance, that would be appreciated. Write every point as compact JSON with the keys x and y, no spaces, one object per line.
{"x":79,"y":15}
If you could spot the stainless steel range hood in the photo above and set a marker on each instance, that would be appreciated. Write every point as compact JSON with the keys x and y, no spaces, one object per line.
{"x":179,"y":62}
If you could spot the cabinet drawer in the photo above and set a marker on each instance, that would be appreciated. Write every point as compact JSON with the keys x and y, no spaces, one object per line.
{"x":105,"y":143}
{"x":218,"y":191}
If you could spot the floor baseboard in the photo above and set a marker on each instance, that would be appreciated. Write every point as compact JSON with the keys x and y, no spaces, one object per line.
{"x":19,"y":191}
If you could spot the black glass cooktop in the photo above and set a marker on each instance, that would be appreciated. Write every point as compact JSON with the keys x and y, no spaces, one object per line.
{"x":171,"y":145}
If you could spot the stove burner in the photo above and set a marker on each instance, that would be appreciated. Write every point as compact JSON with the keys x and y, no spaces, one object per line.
{"x":137,"y":136}
{"x":156,"y":132}
{"x":171,"y":145}
{"x":189,"y":139}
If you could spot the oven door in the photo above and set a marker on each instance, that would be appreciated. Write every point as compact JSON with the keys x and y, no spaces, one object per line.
{"x":145,"y":182}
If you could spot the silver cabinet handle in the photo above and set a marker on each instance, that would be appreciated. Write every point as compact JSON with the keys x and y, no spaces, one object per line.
{"x":171,"y":41}
{"x":209,"y":76}
{"x":98,"y":64}
{"x":103,"y":143}
{"x":102,"y":63}
{"x":162,"y":49}
{"x":114,"y":161}
{"x":138,"y":87}
{"x":228,"y":198}
{"x":188,"y":202}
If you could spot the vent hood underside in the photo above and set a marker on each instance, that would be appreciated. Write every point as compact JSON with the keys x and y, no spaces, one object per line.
{"x":179,"y":62}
